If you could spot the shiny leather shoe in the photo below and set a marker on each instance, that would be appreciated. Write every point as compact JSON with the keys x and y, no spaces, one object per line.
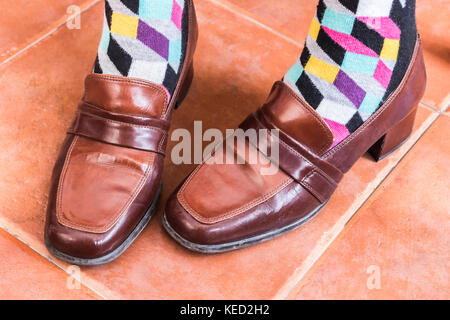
{"x":222,"y":207}
{"x":107,"y":178}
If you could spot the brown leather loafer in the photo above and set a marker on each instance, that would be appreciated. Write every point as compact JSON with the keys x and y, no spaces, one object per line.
{"x":222,"y":207}
{"x":107,"y":178}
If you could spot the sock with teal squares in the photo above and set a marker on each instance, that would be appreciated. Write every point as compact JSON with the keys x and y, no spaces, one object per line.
{"x":143,"y":39}
{"x":355,"y":56}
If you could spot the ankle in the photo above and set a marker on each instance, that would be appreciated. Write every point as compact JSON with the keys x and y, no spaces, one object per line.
{"x":355,"y":56}
{"x":143,"y":40}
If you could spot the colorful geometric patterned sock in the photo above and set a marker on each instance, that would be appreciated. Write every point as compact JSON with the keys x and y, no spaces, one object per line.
{"x":355,"y":56}
{"x":143,"y":39}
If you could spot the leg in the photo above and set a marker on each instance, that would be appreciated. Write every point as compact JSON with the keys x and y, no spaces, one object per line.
{"x":143,"y":39}
{"x":355,"y":56}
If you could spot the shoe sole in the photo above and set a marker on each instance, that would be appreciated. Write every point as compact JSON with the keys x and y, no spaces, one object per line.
{"x":118,"y":251}
{"x":235,"y":245}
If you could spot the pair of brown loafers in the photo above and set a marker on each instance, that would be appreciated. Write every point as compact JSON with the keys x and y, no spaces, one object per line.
{"x":107,"y":178}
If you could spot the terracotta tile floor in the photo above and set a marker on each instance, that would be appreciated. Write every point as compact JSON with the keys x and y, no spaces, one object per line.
{"x":382,"y":235}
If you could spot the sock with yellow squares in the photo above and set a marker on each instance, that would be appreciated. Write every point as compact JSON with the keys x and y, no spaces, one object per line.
{"x":355,"y":56}
{"x":143,"y":39}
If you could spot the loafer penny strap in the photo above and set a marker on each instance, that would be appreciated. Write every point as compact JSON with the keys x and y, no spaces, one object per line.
{"x":319,"y":177}
{"x":148,"y":134}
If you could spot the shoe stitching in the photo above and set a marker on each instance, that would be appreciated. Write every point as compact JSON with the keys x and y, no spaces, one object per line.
{"x":118,"y":215}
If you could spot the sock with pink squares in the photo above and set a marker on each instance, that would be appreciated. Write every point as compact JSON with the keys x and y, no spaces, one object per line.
{"x":143,"y":39}
{"x":355,"y":56}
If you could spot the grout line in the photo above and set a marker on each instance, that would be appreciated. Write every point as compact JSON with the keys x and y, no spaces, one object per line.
{"x":228,"y":7}
{"x":51,"y":31}
{"x":28,"y":46}
{"x":51,"y":261}
{"x":430,"y":107}
{"x":445,"y":103}
{"x":329,"y":236}
{"x":434,"y":119}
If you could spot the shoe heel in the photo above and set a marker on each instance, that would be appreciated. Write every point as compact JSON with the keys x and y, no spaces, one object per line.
{"x":184,"y":90}
{"x":394,"y":138}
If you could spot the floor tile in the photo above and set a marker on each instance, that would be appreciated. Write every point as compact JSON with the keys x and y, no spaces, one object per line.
{"x":39,"y":93}
{"x":397,"y":245}
{"x":291,"y":18}
{"x":47,"y":83}
{"x":24,"y":274}
{"x":432,"y":19}
{"x":23,"y":22}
